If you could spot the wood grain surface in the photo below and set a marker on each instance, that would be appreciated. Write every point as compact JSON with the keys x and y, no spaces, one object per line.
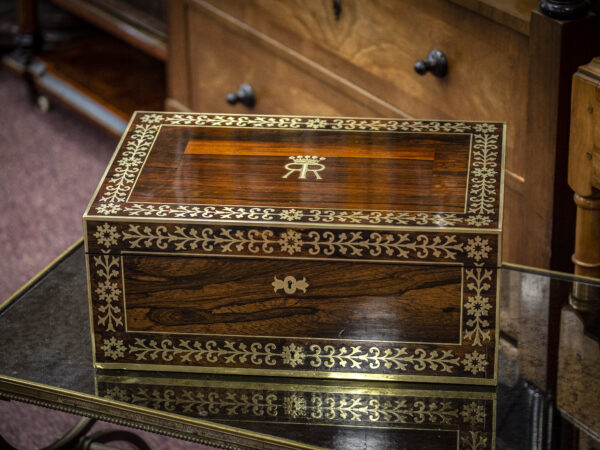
{"x":342,"y":300}
{"x":390,"y":171}
{"x":284,"y":82}
{"x":118,"y":76}
{"x":584,"y":167}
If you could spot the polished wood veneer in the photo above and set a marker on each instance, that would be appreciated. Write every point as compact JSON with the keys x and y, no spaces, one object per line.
{"x":346,"y":301}
{"x":299,"y":246}
{"x":417,"y":173}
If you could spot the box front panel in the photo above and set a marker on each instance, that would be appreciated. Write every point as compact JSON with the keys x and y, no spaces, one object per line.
{"x":294,"y":318}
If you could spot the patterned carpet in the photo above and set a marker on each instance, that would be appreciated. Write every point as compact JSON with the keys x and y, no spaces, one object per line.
{"x":51,"y":164}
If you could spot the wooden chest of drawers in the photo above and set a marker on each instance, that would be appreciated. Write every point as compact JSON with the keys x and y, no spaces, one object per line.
{"x":299,"y":246}
{"x":506,"y":62}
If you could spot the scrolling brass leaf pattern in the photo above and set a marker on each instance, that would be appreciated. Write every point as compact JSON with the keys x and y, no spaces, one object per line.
{"x":293,"y":355}
{"x":108,"y":292}
{"x":358,"y":244}
{"x":477,"y":306}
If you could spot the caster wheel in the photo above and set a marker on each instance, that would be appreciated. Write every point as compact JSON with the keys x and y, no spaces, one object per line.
{"x":43,"y":103}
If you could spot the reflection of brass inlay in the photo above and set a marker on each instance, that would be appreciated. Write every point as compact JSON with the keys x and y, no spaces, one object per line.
{"x":289,"y":284}
{"x":304,"y":165}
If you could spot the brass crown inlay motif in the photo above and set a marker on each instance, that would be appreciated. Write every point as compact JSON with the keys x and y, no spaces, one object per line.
{"x":305,"y":165}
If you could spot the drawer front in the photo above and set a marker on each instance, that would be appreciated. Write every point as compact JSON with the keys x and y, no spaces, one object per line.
{"x":297,"y":299}
{"x":294,"y":318}
{"x":375,"y":44}
{"x":223,"y":55}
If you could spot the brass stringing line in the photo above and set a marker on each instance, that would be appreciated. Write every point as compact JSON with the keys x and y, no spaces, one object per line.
{"x":137,"y":147}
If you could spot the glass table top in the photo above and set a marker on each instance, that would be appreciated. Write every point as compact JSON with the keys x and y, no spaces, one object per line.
{"x":46,"y":358}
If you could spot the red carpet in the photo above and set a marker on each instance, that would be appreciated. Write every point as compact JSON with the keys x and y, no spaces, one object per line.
{"x":50,"y":166}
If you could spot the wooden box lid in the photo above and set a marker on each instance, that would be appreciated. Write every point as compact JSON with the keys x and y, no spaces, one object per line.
{"x":402,"y":190}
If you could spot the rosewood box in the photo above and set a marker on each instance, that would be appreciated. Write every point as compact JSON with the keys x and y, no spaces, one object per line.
{"x":299,"y":246}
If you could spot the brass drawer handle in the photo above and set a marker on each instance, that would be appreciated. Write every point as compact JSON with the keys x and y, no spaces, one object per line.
{"x":289,"y":284}
{"x":435,"y":63}
{"x":244,"y":95}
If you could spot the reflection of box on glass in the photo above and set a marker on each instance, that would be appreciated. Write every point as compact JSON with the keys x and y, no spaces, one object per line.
{"x":324,"y":413}
{"x":333,"y":247}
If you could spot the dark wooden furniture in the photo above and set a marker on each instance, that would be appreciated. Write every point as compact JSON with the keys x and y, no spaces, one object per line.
{"x":299,"y":246}
{"x":104,"y":71}
{"x":579,"y":357}
{"x":584,"y":167}
{"x":225,"y":411}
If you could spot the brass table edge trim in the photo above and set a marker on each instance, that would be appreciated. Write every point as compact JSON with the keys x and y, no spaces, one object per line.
{"x":388,"y":388}
{"x":101,"y":408}
{"x":457,"y":380}
{"x":550,"y":273}
{"x":40,"y":274}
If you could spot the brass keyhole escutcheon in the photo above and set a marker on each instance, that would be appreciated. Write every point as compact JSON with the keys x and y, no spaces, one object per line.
{"x":289,"y":284}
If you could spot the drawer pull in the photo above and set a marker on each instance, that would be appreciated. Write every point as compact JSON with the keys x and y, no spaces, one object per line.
{"x":337,"y":8}
{"x":289,"y":284}
{"x":435,"y":63}
{"x":244,"y":95}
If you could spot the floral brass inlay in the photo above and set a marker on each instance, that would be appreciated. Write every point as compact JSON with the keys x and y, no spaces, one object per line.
{"x":293,"y":355}
{"x":113,"y":348}
{"x":473,"y":413}
{"x":477,"y":306}
{"x":475,"y":362}
{"x":130,"y":162}
{"x":358,"y":244}
{"x":108,"y":292}
{"x":473,"y":440}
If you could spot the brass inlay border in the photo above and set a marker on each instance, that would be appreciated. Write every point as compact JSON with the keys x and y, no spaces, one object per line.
{"x":277,"y":242}
{"x":294,"y":373}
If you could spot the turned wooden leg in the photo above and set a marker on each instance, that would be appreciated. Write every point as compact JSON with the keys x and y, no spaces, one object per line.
{"x":29,"y":35}
{"x":587,"y":235}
